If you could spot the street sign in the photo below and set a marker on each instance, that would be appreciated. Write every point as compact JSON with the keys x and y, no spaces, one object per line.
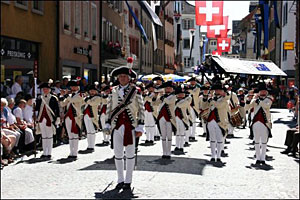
{"x":288,"y":45}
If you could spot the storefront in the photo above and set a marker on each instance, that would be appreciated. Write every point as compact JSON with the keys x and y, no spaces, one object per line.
{"x":18,"y":58}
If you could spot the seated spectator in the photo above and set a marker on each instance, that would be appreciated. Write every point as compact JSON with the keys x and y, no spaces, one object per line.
{"x":28,"y":111}
{"x":291,"y":141}
{"x":8,"y":142}
{"x":56,"y":88}
{"x":19,"y":96}
{"x":17,"y":86}
{"x":5,"y":127}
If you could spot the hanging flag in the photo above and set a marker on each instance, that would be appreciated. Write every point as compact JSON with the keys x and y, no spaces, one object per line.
{"x":216,"y":53}
{"x":178,"y":35}
{"x":276,"y":14}
{"x":218,"y":31}
{"x":204,"y":48}
{"x":192,"y":36}
{"x":209,"y":12}
{"x":150,"y":12}
{"x":141,"y":28}
{"x":266,"y":25}
{"x":223,"y":44}
{"x":258,"y":22}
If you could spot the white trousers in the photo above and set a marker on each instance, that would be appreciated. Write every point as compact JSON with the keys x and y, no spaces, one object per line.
{"x":29,"y":138}
{"x":230,"y":129}
{"x":216,"y":138}
{"x":91,"y":132}
{"x":193,"y":127}
{"x":118,"y":140}
{"x":180,"y":133}
{"x":187,"y":134}
{"x":73,"y":138}
{"x":166,"y":136}
{"x":47,"y":137}
{"x":106,"y":137}
{"x":261,"y":134}
{"x":203,"y":126}
{"x":150,"y":126}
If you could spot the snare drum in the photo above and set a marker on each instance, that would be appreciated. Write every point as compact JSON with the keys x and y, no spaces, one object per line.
{"x":236,"y":119}
{"x":204,"y":115}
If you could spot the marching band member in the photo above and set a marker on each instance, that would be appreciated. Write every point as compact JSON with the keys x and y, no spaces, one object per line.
{"x":204,"y":106}
{"x":73,"y":116}
{"x":233,"y":104}
{"x":261,"y":122}
{"x":125,"y":119}
{"x":166,"y":118}
{"x":150,"y":126}
{"x":242,"y":102}
{"x":157,"y":81}
{"x":47,"y":118}
{"x":90,"y":116}
{"x":217,"y":120}
{"x":182,"y":121}
{"x":103,"y":108}
{"x":194,"y":90}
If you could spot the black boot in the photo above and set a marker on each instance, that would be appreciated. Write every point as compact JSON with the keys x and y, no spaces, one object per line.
{"x":287,"y":151}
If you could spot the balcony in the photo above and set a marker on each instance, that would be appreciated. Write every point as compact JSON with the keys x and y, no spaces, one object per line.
{"x":110,"y":50}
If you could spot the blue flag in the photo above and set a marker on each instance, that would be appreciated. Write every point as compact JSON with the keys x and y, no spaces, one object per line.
{"x":266,"y":25}
{"x":141,"y":28}
{"x":204,"y":48}
{"x":276,"y":14}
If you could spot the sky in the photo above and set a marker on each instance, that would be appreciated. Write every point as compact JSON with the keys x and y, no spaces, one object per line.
{"x":236,"y":10}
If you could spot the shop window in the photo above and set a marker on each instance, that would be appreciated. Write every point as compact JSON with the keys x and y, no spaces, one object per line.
{"x":22,"y":4}
{"x":94,"y":21}
{"x":38,"y":7}
{"x":86,"y":19}
{"x":186,"y":43}
{"x":77,"y":17}
{"x":67,"y":15}
{"x":130,"y":18}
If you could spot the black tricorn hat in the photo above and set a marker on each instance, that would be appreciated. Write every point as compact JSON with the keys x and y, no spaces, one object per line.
{"x":204,"y":87}
{"x":73,"y":83}
{"x":262,"y":86}
{"x":123,"y":70}
{"x":218,"y":86}
{"x":179,"y":90}
{"x":192,"y":79}
{"x":158,"y":78}
{"x":92,"y":87}
{"x":44,"y":85}
{"x":106,"y":88}
{"x":167,"y":84}
{"x":151,"y":84}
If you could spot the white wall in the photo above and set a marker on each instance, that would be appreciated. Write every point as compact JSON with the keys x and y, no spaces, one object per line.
{"x":288,"y":34}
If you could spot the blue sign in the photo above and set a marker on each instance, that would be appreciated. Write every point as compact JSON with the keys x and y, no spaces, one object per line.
{"x":262,"y":67}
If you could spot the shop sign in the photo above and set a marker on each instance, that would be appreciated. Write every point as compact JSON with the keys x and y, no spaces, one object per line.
{"x":81,"y":51}
{"x":288,"y":45}
{"x":2,"y":73}
{"x":16,"y":54}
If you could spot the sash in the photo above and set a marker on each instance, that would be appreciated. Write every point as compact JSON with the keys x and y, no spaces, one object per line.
{"x":121,"y":107}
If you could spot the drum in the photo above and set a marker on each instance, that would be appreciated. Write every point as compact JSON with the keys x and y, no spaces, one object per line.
{"x":236,"y":119}
{"x":204,"y":115}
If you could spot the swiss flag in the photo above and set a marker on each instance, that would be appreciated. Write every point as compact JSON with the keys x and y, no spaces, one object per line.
{"x":216,"y":53}
{"x":209,"y":13}
{"x":218,"y":31}
{"x":223,"y":44}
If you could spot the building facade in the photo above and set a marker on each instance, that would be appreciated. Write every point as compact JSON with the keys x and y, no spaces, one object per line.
{"x":24,"y":43}
{"x":188,"y":23}
{"x":79,"y":39}
{"x":288,"y":21}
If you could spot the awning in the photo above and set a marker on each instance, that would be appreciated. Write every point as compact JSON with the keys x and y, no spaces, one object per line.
{"x":243,"y":66}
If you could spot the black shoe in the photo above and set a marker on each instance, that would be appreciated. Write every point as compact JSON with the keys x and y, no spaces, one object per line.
{"x":176,"y":149}
{"x":147,"y":142}
{"x":49,"y":156}
{"x":212,"y":160}
{"x":219,"y":160}
{"x":186,"y":144}
{"x":43,"y":156}
{"x":90,"y":149}
{"x":204,"y":134}
{"x":263,"y":162}
{"x":126,"y":186}
{"x":258,"y":162}
{"x":287,"y":151}
{"x":181,"y":149}
{"x":168,"y":157}
{"x":151,"y":142}
{"x":164,"y":157}
{"x":119,"y":186}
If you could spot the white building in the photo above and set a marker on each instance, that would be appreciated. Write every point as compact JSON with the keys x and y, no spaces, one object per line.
{"x":288,"y":23}
{"x":188,"y":22}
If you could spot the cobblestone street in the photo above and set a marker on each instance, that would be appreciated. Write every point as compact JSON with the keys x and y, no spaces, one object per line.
{"x":184,"y":176}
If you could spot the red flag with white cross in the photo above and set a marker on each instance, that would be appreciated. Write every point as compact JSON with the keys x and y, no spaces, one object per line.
{"x":209,"y":13}
{"x":218,"y":31}
{"x":223,"y":44}
{"x":216,"y":53}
